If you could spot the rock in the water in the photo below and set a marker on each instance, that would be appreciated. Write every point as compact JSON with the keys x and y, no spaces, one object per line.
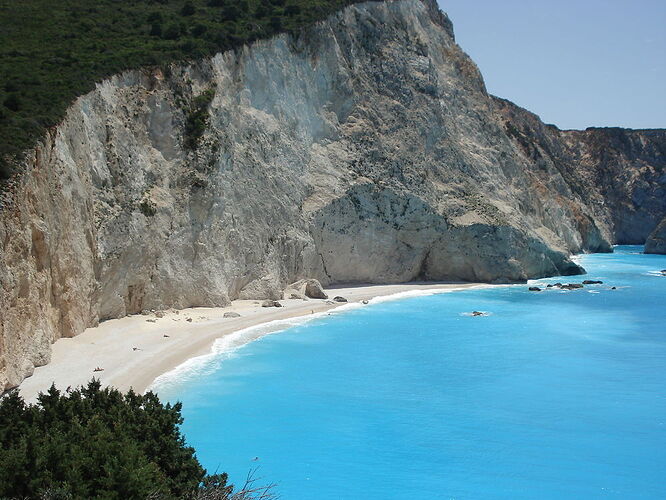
{"x":593,"y":282}
{"x":571,"y":286}
{"x":613,"y":288}
{"x":339,"y":299}
{"x":231,"y":314}
{"x":364,"y":301}
{"x":478,"y":313}
{"x":534,"y":289}
{"x":270,"y":303}
{"x":656,"y":242}
{"x":558,"y":285}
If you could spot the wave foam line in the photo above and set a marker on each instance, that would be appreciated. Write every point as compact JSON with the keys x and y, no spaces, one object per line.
{"x":225,"y":347}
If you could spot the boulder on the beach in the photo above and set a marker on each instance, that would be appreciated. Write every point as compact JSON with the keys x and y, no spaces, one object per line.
{"x":339,"y":299}
{"x":305,"y":288}
{"x":231,"y":314}
{"x":593,"y":282}
{"x":364,"y":301}
{"x":159,"y":314}
{"x":534,"y":289}
{"x":270,"y":303}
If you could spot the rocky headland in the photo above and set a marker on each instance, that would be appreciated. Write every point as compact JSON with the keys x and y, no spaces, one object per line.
{"x":364,"y":149}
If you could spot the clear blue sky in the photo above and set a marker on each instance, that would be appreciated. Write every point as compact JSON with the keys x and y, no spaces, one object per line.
{"x":575,"y":63}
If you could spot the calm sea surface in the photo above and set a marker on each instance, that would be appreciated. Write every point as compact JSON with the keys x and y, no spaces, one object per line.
{"x":552,"y":395}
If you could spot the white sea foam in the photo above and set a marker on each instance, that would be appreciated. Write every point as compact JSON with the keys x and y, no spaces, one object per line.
{"x":225,"y":347}
{"x":421,"y":293}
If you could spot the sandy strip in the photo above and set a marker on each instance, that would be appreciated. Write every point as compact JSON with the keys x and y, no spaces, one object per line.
{"x":135,"y":350}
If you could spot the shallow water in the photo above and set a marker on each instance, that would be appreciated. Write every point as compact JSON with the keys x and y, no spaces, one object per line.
{"x":557,"y":394}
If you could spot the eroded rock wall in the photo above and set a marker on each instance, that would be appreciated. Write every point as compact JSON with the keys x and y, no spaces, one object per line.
{"x":363,"y":150}
{"x":656,"y":242}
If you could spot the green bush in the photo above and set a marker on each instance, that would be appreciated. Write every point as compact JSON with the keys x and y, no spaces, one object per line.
{"x":97,"y":443}
{"x":197,"y":119}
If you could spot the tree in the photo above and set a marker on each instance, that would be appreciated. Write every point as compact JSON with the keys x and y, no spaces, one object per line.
{"x":156,"y":29}
{"x":230,"y":12}
{"x":171,"y":32}
{"x":13,"y":102}
{"x":292,"y":10}
{"x":276,"y":23}
{"x":96,"y":443}
{"x":188,"y":9}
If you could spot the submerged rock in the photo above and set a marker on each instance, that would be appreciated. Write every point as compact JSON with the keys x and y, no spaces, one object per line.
{"x":534,"y":289}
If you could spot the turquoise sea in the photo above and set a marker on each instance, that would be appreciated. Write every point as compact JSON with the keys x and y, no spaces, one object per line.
{"x":554,"y":394}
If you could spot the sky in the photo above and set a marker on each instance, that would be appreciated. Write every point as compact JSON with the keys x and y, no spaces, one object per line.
{"x":575,"y":63}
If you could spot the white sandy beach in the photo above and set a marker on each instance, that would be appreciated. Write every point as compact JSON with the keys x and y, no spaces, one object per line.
{"x":133,"y":351}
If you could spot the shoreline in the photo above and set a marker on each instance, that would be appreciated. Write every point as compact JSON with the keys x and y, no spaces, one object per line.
{"x":135,"y":350}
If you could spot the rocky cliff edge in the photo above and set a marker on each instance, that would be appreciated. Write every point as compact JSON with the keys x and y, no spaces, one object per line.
{"x":365,"y":149}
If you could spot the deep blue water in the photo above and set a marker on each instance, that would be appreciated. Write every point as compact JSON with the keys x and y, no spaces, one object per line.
{"x":553,"y":395}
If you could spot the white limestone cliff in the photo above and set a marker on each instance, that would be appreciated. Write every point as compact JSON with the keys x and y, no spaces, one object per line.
{"x":365,"y":149}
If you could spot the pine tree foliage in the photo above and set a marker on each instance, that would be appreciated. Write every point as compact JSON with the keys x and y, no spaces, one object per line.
{"x":96,"y":442}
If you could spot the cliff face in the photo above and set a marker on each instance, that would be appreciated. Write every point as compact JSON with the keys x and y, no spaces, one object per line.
{"x":366,"y":150}
{"x":656,"y":242}
{"x":620,"y":174}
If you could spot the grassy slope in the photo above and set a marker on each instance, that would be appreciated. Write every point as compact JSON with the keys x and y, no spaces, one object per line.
{"x":53,"y":51}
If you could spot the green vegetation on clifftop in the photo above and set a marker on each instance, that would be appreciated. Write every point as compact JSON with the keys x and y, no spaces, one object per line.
{"x":52,"y":52}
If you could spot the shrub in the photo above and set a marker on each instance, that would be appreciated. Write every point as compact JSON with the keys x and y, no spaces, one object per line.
{"x":197,"y":119}
{"x":13,"y":102}
{"x":147,"y":207}
{"x":188,"y":9}
{"x":95,"y":443}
